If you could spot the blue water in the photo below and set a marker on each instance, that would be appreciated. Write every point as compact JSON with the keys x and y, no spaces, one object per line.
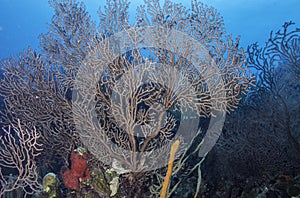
{"x":21,"y":22}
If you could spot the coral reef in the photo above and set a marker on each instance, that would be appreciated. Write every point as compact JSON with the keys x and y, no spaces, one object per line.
{"x":47,"y":117}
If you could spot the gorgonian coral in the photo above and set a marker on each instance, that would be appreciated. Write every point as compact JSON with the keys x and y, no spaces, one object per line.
{"x":125,"y":90}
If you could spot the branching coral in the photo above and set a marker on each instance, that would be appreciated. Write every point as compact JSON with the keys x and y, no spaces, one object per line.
{"x":125,"y":91}
{"x":126,"y":84}
{"x":278,"y":67}
{"x":33,"y":94}
{"x":19,"y":149}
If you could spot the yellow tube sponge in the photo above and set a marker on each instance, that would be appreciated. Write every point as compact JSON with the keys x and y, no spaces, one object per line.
{"x":174,"y":148}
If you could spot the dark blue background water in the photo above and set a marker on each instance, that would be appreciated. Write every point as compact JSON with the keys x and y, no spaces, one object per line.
{"x":22,"y":21}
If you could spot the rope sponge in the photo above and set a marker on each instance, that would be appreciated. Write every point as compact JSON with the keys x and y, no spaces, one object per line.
{"x":174,"y":148}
